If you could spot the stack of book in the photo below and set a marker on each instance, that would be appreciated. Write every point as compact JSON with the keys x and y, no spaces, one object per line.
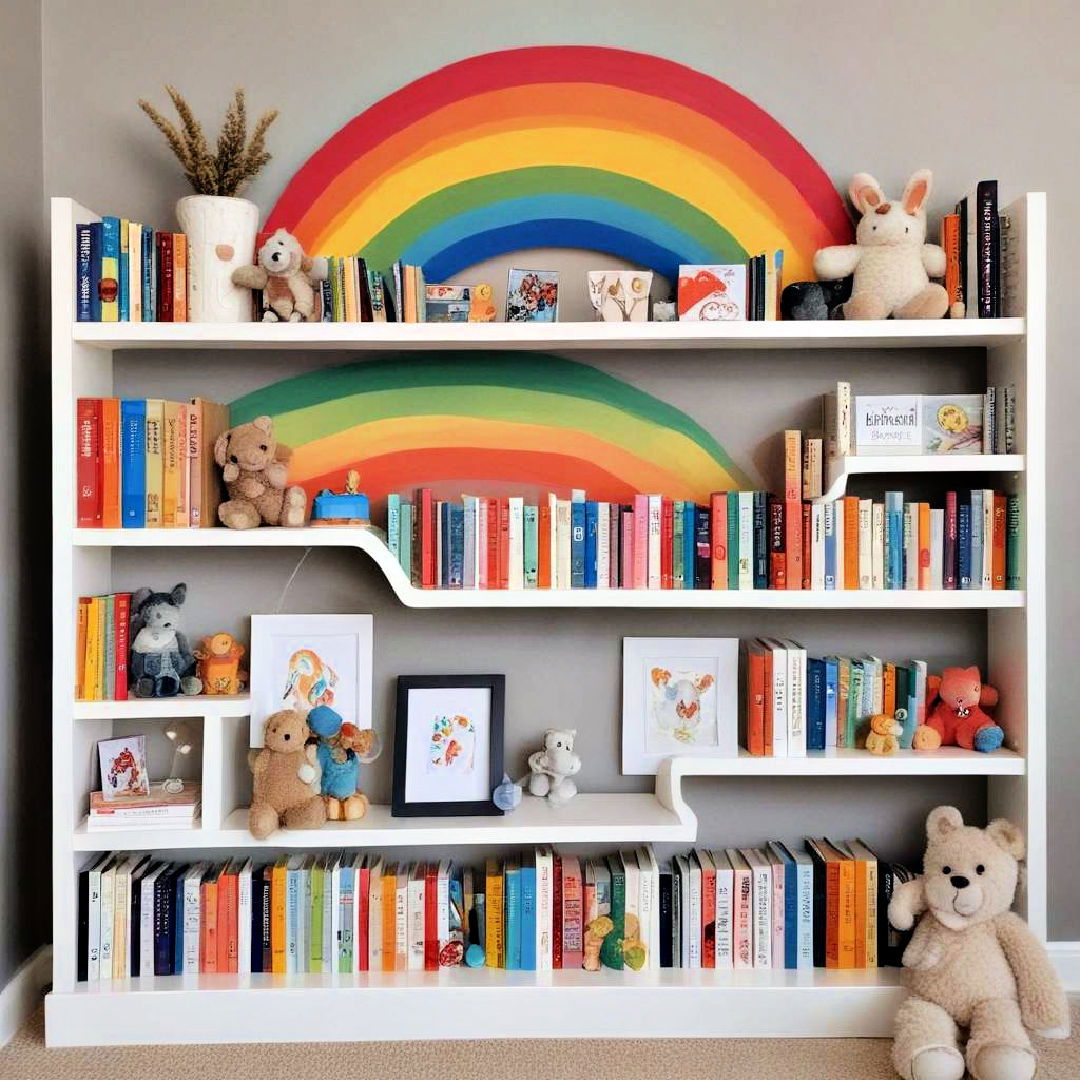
{"x":147,"y":463}
{"x":351,"y":292}
{"x":102,"y":625}
{"x":796,"y":703}
{"x":128,"y":272}
{"x":776,"y":906}
{"x":160,"y":809}
{"x":974,"y":237}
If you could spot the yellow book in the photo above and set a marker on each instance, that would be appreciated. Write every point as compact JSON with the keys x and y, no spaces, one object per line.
{"x":180,"y":253}
{"x":389,"y":917}
{"x":277,"y":915}
{"x":81,"y":613}
{"x":846,"y":910}
{"x":865,"y":856}
{"x":495,"y":947}
{"x":170,"y":462}
{"x":155,"y":423}
{"x":93,"y":650}
{"x":351,"y":305}
{"x":135,"y":271}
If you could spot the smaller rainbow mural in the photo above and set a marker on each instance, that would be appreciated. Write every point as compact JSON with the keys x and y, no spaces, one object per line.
{"x":463,"y":422}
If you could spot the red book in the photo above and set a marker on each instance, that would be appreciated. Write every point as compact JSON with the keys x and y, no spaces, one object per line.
{"x":543,"y":542}
{"x":427,"y":539}
{"x":949,"y":560}
{"x":110,"y":463}
{"x":615,"y":520}
{"x":767,"y":720}
{"x":718,"y":531}
{"x":626,"y":547}
{"x":793,"y":546}
{"x":572,"y":954}
{"x":777,"y":556}
{"x":997,"y":555}
{"x":164,"y":311}
{"x":431,"y":917}
{"x":755,"y":699}
{"x":667,"y":543}
{"x":807,"y":540}
{"x":88,"y":463}
{"x":493,"y":543}
{"x":364,"y":901}
{"x":504,"y":543}
{"x":121,"y":626}
{"x":708,"y":911}
{"x":556,"y":912}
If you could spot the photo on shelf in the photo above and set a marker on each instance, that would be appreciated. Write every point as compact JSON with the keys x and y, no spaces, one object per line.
{"x":301,"y":661}
{"x":680,"y":698}
{"x":123,"y":767}
{"x":532,"y":296}
{"x":448,"y":745}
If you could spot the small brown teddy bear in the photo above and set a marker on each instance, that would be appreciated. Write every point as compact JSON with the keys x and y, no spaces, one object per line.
{"x":254,"y":468}
{"x":971,"y":961}
{"x":286,"y":277}
{"x":287,"y":778}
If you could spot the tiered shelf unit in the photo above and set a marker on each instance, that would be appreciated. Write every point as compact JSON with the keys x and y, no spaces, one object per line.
{"x":494,"y":1004}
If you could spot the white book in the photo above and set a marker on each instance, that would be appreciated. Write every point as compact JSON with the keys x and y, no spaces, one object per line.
{"x":796,"y":699}
{"x":333,"y":889}
{"x":442,"y":902}
{"x":779,"y":697}
{"x":837,"y":421}
{"x":243,"y":919}
{"x":544,"y":907}
{"x":937,"y":549}
{"x":94,"y":918}
{"x":192,"y":919}
{"x":725,"y":883}
{"x":650,"y":905}
{"x":988,"y":539}
{"x":746,"y":540}
{"x":108,"y":886}
{"x":742,"y":918}
{"x":603,"y":545}
{"x":516,"y":543}
{"x":122,"y":917}
{"x":358,"y":863}
{"x":553,"y":554}
{"x":401,"y":918}
{"x":416,"y":917}
{"x":655,"y":513}
{"x":804,"y":874}
{"x":633,"y":893}
{"x":839,"y":531}
{"x":683,"y":866}
{"x":146,"y":919}
{"x":694,"y":910}
{"x":482,"y":526}
{"x":829,"y":516}
{"x":375,"y":875}
{"x":471,"y":551}
{"x":817,"y":545}
{"x":561,"y":531}
{"x":877,"y":527}
{"x":762,"y":921}
{"x":866,"y":544}
{"x":777,"y":877}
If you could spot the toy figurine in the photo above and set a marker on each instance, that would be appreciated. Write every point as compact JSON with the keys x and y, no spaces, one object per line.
{"x":219,"y":664}
{"x":550,"y":768}
{"x":884,"y":735}
{"x":349,"y":507}
{"x":160,"y":664}
{"x":342,"y":748}
{"x":481,"y":305}
{"x":286,"y":277}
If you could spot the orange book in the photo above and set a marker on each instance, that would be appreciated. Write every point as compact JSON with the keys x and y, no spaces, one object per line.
{"x":866,"y":858}
{"x":888,"y":706}
{"x":767,"y":719}
{"x":851,"y":542}
{"x":81,"y":616}
{"x":226,"y":919}
{"x":495,"y":942}
{"x":708,"y":908}
{"x":209,"y":889}
{"x":793,"y":466}
{"x":389,"y":917}
{"x":860,"y":910}
{"x":755,"y":698}
{"x":793,"y":544}
{"x":950,"y":241}
{"x":277,"y":916}
{"x":997,"y":555}
{"x":110,"y":463}
{"x":845,"y":934}
{"x":718,"y":531}
{"x":924,"y":545}
{"x":180,"y":260}
{"x":543,"y":541}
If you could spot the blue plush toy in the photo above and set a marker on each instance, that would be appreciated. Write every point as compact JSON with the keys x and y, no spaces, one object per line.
{"x":341,"y":751}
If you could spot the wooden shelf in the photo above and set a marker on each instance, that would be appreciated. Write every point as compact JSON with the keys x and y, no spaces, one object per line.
{"x":544,"y":336}
{"x":837,"y":470}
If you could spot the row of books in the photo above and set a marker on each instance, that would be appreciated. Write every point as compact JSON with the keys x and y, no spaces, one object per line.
{"x":778,"y":906}
{"x":975,"y":237}
{"x":795,"y":703}
{"x":102,"y":631}
{"x":147,"y":463}
{"x":128,"y":272}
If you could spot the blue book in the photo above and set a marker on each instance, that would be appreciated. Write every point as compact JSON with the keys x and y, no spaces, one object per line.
{"x":677,"y":550}
{"x":393,"y":525}
{"x":178,"y":921}
{"x":444,"y":544}
{"x":133,"y":463}
{"x":528,"y":918}
{"x":977,"y":539}
{"x":761,"y":541}
{"x":164,"y":899}
{"x":815,"y":704}
{"x":110,"y":269}
{"x":125,"y":271}
{"x":688,"y":544}
{"x":577,"y":543}
{"x":346,"y":946}
{"x":832,"y":680}
{"x":791,"y":903}
{"x":702,"y":548}
{"x":146,"y":258}
{"x":732,"y":540}
{"x":405,"y":538}
{"x":512,"y":901}
{"x":531,"y":542}
{"x":95,"y":271}
{"x":963,"y":544}
{"x":828,"y":512}
{"x":469,"y":504}
{"x":592,"y":520}
{"x":456,"y":546}
{"x":84,"y":310}
{"x":894,"y":532}
{"x":804,"y":906}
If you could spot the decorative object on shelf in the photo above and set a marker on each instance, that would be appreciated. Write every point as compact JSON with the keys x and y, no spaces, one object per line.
{"x":348,"y":507}
{"x":341,"y":751}
{"x":532,"y":296}
{"x":219,"y":664}
{"x":665,"y":311}
{"x":968,"y":946}
{"x":448,"y":745}
{"x":286,"y":277}
{"x":884,"y":735}
{"x":680,"y":696}
{"x":890,"y":259}
{"x":482,"y":304}
{"x":551,"y":767}
{"x":955,"y":703}
{"x":507,"y":796}
{"x":712,"y":293}
{"x":812,"y":301}
{"x":287,"y":777}
{"x":303,"y":661}
{"x":474,"y":956}
{"x":447,"y":303}
{"x":953,"y":423}
{"x":184,"y":738}
{"x":220,"y":227}
{"x":123,"y":767}
{"x":620,"y":295}
{"x":161,"y":663}
{"x":254,"y":467}
{"x":593,"y":940}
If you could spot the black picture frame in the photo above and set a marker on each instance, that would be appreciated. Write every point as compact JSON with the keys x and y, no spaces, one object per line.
{"x":496,"y":685}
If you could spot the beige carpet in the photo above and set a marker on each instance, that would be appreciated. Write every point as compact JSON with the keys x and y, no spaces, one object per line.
{"x":26,"y":1058}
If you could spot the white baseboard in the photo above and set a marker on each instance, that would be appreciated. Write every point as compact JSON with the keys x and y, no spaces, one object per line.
{"x":22,"y":994}
{"x":1066,"y":958}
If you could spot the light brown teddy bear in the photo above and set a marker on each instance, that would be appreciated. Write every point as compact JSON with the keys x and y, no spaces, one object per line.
{"x":971,"y":961}
{"x":255,"y":470}
{"x":287,"y":778}
{"x":286,"y":277}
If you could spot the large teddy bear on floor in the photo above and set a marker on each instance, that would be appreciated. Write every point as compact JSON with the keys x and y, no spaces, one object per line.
{"x":255,"y":470}
{"x":971,"y":961}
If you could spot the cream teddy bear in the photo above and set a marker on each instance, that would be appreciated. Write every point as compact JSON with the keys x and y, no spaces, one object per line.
{"x":890,"y":258}
{"x":971,"y":961}
{"x":286,"y":277}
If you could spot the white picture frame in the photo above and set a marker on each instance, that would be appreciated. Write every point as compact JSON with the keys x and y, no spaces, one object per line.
{"x":680,"y":699}
{"x":338,"y":672}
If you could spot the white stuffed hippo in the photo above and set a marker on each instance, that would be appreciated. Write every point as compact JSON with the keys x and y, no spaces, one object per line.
{"x":550,"y":769}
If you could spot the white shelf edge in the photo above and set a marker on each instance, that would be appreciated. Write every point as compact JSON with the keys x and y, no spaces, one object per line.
{"x":838,"y":470}
{"x":164,"y":708}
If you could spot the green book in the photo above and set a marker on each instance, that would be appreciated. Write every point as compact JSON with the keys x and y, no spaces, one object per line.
{"x":677,"y":554}
{"x":732,"y":540}
{"x":405,"y":538}
{"x":1012,"y":543}
{"x":531,"y":546}
{"x":855,"y":692}
{"x":611,"y":947}
{"x":318,"y":884}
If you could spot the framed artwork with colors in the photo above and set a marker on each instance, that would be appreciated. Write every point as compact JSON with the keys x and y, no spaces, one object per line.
{"x":300,"y":661}
{"x":448,"y":745}
{"x":680,"y":699}
{"x":532,"y":296}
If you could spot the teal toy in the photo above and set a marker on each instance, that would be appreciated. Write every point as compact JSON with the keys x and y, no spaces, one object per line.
{"x":341,"y":750}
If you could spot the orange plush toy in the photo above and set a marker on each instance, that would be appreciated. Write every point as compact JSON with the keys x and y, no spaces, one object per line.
{"x":955,"y":704}
{"x":219,"y":664}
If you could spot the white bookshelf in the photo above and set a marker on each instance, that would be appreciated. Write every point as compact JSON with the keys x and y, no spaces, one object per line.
{"x":495,"y":1004}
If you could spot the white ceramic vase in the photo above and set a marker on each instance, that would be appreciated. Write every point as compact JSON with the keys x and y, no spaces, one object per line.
{"x":221,"y":235}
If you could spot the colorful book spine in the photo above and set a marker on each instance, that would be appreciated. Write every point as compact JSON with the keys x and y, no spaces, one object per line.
{"x":133,"y":463}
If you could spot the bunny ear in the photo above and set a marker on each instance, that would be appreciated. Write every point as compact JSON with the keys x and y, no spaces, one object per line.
{"x":865,"y":192}
{"x":917,"y":191}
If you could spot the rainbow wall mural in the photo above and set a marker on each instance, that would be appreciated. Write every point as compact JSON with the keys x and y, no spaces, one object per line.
{"x":563,"y":146}
{"x":527,"y":423}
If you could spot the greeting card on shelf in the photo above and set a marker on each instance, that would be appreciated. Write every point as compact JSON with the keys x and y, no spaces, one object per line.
{"x":123,"y":767}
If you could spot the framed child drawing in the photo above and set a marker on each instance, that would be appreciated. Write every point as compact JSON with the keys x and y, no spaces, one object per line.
{"x":300,"y":661}
{"x":680,"y":698}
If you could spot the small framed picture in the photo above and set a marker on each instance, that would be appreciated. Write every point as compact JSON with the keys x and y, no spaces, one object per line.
{"x":300,"y":661}
{"x":448,"y":745}
{"x":680,"y":698}
{"x":532,"y":296}
{"x":123,"y":767}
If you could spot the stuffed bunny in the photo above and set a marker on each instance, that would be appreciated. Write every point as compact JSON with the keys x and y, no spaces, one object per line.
{"x":890,"y":259}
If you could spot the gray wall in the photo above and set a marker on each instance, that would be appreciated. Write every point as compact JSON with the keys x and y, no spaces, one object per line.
{"x":24,"y":471}
{"x":969,"y":89}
